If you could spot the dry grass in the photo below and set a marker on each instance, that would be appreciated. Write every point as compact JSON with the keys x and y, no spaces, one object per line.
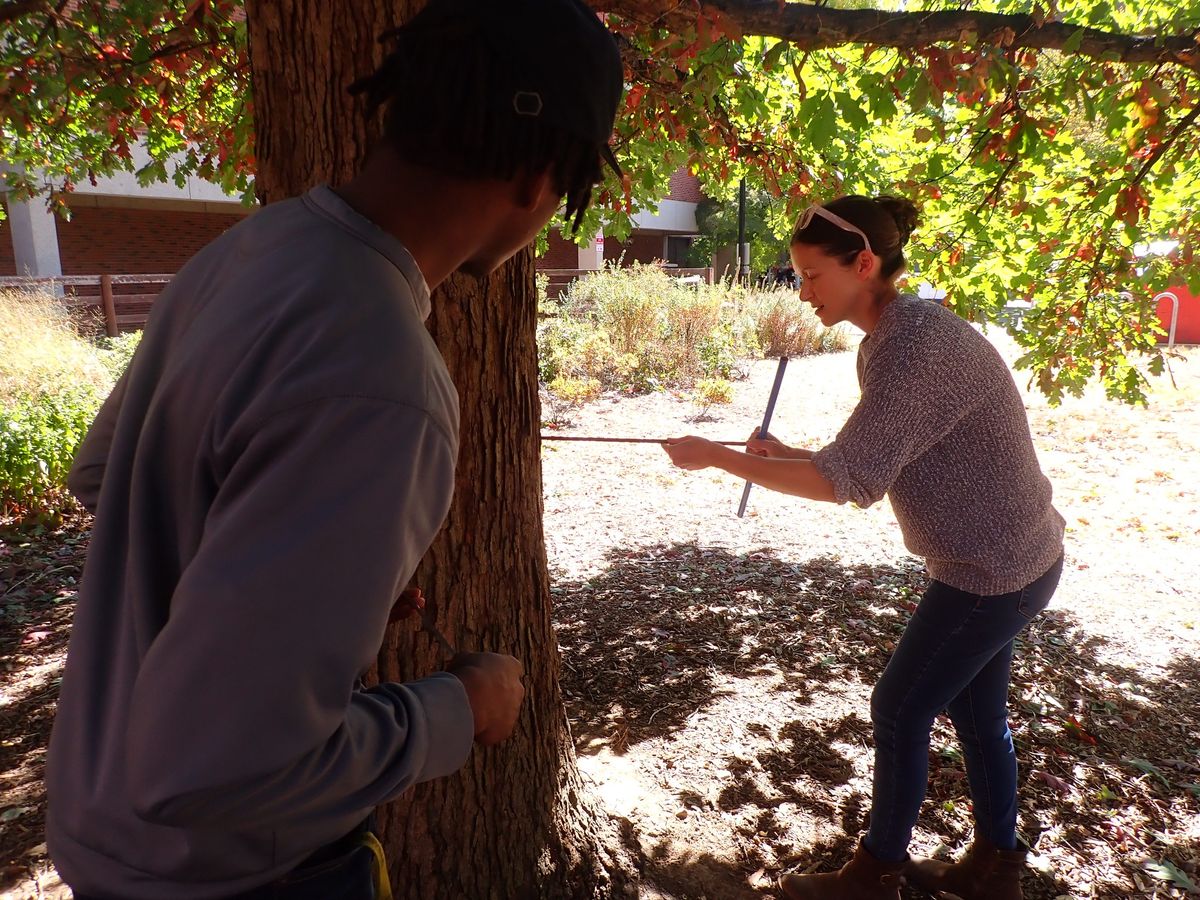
{"x":40,"y":348}
{"x":52,"y":380}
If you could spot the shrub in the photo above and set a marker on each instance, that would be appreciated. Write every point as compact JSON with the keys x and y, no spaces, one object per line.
{"x":120,"y":351}
{"x":40,"y":348}
{"x":38,"y":439}
{"x":566,"y":393}
{"x":720,"y":350}
{"x":52,"y":381}
{"x":712,"y":392}
{"x":625,"y":303}
{"x":567,"y":348}
{"x":834,"y":340}
{"x":547,"y":306}
{"x":692,"y":318}
{"x":638,"y":329}
{"x":575,"y":391}
{"x":786,"y":326}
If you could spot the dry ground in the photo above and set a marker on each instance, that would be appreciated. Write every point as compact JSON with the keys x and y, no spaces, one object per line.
{"x":717,"y":669}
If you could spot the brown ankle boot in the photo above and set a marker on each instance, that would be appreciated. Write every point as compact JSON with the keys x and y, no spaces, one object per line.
{"x":984,"y":872}
{"x":863,"y":878}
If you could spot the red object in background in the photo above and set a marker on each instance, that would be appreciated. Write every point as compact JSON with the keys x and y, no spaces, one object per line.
{"x":1187,"y":325}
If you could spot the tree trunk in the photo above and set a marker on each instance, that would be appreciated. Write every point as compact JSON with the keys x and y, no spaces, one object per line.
{"x":516,"y":822}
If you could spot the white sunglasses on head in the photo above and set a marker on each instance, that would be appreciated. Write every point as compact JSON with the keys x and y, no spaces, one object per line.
{"x":807,"y":216}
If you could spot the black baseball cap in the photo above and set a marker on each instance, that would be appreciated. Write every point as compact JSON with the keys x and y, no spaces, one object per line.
{"x":556,"y":62}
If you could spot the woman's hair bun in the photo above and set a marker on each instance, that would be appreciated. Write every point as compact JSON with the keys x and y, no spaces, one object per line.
{"x":903,"y":211}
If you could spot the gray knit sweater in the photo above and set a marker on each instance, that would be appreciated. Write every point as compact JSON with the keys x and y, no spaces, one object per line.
{"x":942,"y":431}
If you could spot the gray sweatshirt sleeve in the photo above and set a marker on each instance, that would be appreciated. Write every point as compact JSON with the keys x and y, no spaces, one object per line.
{"x":909,"y":402}
{"x":245,"y":710}
{"x":87,"y":471}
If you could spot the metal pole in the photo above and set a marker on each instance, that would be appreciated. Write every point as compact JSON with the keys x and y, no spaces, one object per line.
{"x":766,"y":423}
{"x":743,"y":255}
{"x":1174,"y":298}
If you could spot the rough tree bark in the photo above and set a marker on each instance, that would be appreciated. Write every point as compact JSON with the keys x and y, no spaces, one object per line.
{"x":516,"y":823}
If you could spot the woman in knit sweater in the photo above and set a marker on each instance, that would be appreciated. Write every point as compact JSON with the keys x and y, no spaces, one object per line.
{"x":942,"y":432}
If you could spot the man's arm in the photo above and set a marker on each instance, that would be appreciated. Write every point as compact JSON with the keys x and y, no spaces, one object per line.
{"x":245,"y":710}
{"x":91,"y":459}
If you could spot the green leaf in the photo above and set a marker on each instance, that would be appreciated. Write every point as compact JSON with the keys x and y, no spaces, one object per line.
{"x":771,"y":58}
{"x":879,"y":97}
{"x":822,"y":121}
{"x":851,"y":111}
{"x":1166,"y":871}
{"x":1146,"y":766}
{"x":918,"y":98}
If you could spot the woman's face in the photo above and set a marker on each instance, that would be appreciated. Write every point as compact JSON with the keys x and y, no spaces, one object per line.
{"x":837,"y":291}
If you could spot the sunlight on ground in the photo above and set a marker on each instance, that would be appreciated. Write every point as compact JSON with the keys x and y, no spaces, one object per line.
{"x":766,"y":767}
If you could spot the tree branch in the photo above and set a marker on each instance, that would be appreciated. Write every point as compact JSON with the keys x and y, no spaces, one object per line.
{"x":11,"y":11}
{"x":813,"y":27}
{"x":1180,"y":128}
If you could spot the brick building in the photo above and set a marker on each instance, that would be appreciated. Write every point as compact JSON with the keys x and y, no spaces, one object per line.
{"x":118,"y":227}
{"x":665,"y":235}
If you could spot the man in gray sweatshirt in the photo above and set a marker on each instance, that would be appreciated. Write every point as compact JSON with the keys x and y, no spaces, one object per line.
{"x":211,"y":740}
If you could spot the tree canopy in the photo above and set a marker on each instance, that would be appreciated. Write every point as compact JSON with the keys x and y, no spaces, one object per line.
{"x":1050,"y":147}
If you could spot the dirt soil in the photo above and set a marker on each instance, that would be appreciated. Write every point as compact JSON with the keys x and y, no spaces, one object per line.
{"x":717,"y":670}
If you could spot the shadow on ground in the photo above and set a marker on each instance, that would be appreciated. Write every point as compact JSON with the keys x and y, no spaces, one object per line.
{"x":1109,"y":754}
{"x":643,"y":641}
{"x":39,"y":567}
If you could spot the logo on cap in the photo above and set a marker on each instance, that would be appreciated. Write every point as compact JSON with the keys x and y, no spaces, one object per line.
{"x":527,"y":103}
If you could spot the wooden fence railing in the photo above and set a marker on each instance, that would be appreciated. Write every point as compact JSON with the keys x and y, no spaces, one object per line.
{"x":114,"y":303}
{"x":119,"y":303}
{"x":560,"y":279}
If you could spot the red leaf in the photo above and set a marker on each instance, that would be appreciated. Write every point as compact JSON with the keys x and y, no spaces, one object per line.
{"x":1071,"y":723}
{"x":1053,"y":781}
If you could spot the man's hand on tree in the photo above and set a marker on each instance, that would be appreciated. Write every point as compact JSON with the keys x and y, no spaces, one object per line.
{"x":494,"y":689}
{"x":408,"y":603}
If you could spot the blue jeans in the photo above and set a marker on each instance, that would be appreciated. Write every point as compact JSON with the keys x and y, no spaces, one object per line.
{"x":351,"y":877}
{"x":955,"y":655}
{"x":345,"y":870}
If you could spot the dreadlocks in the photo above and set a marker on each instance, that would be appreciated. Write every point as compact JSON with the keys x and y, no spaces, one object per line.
{"x":440,"y":112}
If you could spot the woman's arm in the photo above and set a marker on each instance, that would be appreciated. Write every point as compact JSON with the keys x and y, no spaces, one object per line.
{"x":788,"y":476}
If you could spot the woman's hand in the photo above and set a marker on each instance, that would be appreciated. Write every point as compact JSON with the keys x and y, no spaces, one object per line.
{"x":768,"y":445}
{"x":690,"y":452}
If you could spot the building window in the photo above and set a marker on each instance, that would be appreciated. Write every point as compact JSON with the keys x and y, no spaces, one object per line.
{"x":679,"y":248}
